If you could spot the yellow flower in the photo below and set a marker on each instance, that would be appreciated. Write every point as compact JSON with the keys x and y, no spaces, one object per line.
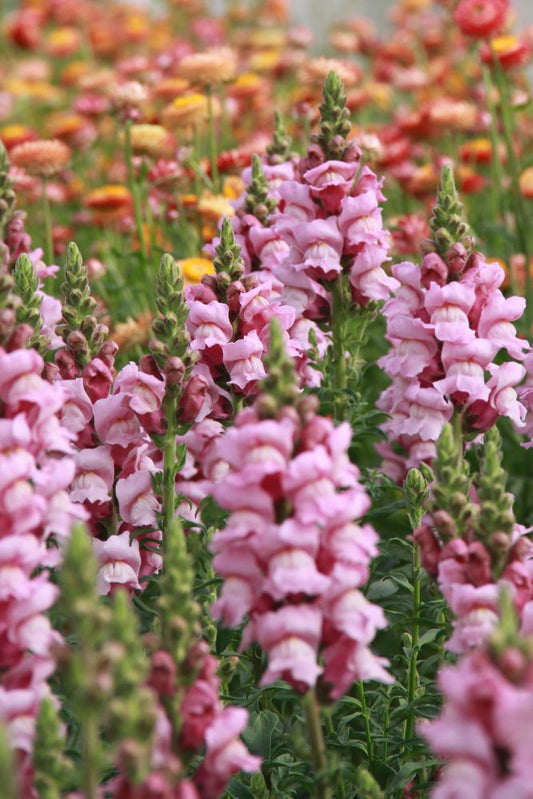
{"x":233,"y":187}
{"x":193,"y":269}
{"x":526,"y":182}
{"x":190,"y":109}
{"x":108,"y":197}
{"x":212,"y":206}
{"x":151,"y":140}
{"x":265,"y":60}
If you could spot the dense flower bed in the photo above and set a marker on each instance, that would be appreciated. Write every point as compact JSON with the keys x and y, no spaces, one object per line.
{"x":265,"y":403}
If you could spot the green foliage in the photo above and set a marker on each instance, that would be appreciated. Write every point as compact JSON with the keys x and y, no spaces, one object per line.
{"x":53,"y":770}
{"x":7,"y":767}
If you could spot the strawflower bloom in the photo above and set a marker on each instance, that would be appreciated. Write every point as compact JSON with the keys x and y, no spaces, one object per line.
{"x":43,"y":158}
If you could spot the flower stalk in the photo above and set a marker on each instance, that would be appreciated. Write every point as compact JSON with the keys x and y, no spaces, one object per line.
{"x":318,"y":748}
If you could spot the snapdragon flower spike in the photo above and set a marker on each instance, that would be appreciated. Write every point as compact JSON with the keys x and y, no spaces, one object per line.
{"x":447,"y":322}
{"x":258,"y":202}
{"x":105,"y":673}
{"x":36,"y":468}
{"x":26,"y":285}
{"x":228,"y":321}
{"x":470,"y":542}
{"x":481,"y":732}
{"x":81,"y":332}
{"x":334,"y":118}
{"x":8,"y":197}
{"x":191,"y":715}
{"x":327,"y":220}
{"x":279,"y":150}
{"x":292,"y":555}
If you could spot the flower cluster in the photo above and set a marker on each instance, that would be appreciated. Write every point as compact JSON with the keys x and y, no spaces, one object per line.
{"x":447,"y":322}
{"x":325,"y":219}
{"x":470,"y":542}
{"x":36,"y":517}
{"x":204,"y":725}
{"x":111,"y":418}
{"x":482,"y":731}
{"x":292,"y":554}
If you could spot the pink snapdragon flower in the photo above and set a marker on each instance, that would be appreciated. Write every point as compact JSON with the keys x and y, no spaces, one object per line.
{"x":120,"y":562}
{"x":447,"y":322}
{"x":292,"y":555}
{"x":36,"y":469}
{"x":482,"y":731}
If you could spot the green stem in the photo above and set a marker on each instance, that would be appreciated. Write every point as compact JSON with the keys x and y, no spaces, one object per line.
{"x":169,"y":457}
{"x":520,"y":214}
{"x":213,"y":150}
{"x":90,"y":776}
{"x":134,"y":189}
{"x":318,"y":749}
{"x":366,"y":720}
{"x":412,"y":677}
{"x":47,"y":218}
{"x":497,"y":196}
{"x":338,"y":349}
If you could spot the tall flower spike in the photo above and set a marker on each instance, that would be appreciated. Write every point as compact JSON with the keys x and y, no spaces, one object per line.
{"x":83,"y":669}
{"x":496,"y":522}
{"x":9,"y":303}
{"x":132,"y":710}
{"x":26,"y":284}
{"x":105,"y":671}
{"x":257,"y":202}
{"x":170,"y":337}
{"x":335,"y":122}
{"x":80,"y":330}
{"x":228,"y":262}
{"x":279,"y":150}
{"x":177,"y":593}
{"x":451,"y":506}
{"x":280,"y":388}
{"x":448,"y":223}
{"x":53,"y":770}
{"x":7,"y":194}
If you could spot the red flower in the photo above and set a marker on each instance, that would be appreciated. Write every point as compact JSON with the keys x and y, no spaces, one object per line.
{"x":481,"y":18}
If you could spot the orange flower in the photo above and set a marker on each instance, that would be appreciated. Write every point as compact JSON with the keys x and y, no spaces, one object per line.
{"x":189,"y":110}
{"x":218,"y":65}
{"x":62,"y":42}
{"x":526,"y":183}
{"x":65,"y":125}
{"x":169,"y":88}
{"x":112,"y":197}
{"x":133,"y":332}
{"x":44,"y":157}
{"x":11,"y":135}
{"x":479,"y":151}
{"x":248,"y":84}
{"x":193,"y":269}
{"x":212,"y":207}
